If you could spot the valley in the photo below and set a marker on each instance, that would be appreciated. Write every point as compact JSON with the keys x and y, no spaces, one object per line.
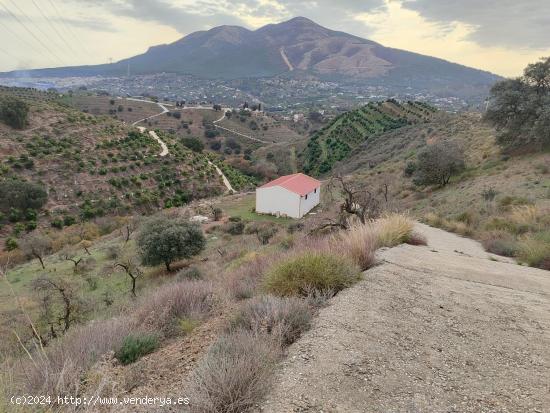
{"x":284,"y":218}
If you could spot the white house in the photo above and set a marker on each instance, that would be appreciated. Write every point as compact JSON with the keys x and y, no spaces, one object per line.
{"x":291,"y":195}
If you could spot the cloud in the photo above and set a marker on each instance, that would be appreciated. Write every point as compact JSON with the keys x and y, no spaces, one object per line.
{"x":523,"y":24}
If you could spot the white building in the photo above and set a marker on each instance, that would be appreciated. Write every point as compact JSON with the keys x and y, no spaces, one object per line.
{"x":291,"y":195}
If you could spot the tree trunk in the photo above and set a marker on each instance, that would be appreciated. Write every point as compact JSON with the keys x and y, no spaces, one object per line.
{"x":41,"y":261}
{"x":133,"y":286}
{"x":167,"y":263}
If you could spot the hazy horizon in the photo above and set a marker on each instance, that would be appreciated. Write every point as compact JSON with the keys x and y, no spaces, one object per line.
{"x":500,"y":38}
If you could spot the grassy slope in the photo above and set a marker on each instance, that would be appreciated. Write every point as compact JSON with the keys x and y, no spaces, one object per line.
{"x":336,"y":141}
{"x":460,"y":205}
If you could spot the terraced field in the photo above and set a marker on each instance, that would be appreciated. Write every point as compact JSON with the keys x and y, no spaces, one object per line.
{"x":337,"y":140}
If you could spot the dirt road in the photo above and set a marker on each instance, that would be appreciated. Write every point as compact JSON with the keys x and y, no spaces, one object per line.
{"x":441,"y":328}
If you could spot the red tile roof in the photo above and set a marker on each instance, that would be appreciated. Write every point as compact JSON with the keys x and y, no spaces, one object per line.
{"x":298,"y":183}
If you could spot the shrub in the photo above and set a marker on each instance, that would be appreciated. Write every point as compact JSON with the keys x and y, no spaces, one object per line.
{"x":187,"y":325}
{"x":264,"y":231}
{"x":284,"y":318}
{"x":159,"y":310}
{"x":191,"y":273}
{"x":21,"y":195}
{"x":193,"y":143}
{"x":438,"y":163}
{"x":235,"y":373}
{"x":393,"y":229}
{"x":535,"y":253}
{"x":135,"y":347}
{"x":359,"y":243}
{"x":234,"y":228}
{"x":500,"y":243}
{"x":163,"y":240}
{"x":300,"y":274}
{"x":14,"y":112}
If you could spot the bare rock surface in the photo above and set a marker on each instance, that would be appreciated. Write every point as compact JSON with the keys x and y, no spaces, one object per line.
{"x":442,"y":328}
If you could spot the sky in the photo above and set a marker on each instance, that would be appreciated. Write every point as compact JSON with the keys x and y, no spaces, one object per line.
{"x":501,"y":36}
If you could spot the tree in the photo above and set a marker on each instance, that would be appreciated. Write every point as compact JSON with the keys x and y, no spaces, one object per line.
{"x":163,"y":240}
{"x":21,"y":195}
{"x":130,"y":266}
{"x":438,"y":163}
{"x":193,"y":143}
{"x":36,"y":246}
{"x":60,"y":303}
{"x":14,"y":112}
{"x":519,"y":109}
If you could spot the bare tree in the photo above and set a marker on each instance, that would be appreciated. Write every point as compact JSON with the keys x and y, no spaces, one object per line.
{"x":131,"y":267}
{"x":59,"y":301}
{"x":358,"y":199}
{"x":129,"y":228}
{"x":36,"y":245}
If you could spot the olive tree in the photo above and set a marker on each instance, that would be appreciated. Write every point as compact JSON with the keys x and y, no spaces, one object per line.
{"x":162,"y":240}
{"x":21,"y":195}
{"x":36,"y":246}
{"x":14,"y":112}
{"x":437,"y":163}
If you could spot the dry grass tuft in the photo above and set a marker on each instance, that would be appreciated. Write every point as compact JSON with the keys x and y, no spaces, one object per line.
{"x":525,"y":215}
{"x":159,"y":311}
{"x":393,"y":229}
{"x":284,"y":318}
{"x":234,"y":374}
{"x":359,"y":243}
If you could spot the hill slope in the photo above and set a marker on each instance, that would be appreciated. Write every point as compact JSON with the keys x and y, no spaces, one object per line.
{"x":337,"y":140}
{"x":292,"y":47}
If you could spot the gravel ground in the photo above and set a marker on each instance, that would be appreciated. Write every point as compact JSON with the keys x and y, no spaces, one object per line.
{"x":441,"y":328}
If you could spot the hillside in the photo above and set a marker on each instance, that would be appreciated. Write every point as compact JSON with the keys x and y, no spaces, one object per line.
{"x":91,"y":166}
{"x":295,"y":47}
{"x":336,"y":141}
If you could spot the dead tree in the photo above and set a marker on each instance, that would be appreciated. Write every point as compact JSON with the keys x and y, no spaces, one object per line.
{"x":358,"y":200}
{"x":132,"y":270}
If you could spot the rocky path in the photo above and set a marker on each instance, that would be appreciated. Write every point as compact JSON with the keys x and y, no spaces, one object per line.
{"x":441,"y":328}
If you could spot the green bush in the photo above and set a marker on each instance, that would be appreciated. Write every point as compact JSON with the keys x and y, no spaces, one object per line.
{"x":134,"y":347}
{"x":14,"y":112}
{"x":310,"y":271}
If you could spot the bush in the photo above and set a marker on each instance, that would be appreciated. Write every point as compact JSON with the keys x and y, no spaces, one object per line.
{"x":311,"y":271}
{"x":284,"y":318}
{"x":160,"y":310}
{"x":438,"y":163}
{"x":234,"y":375}
{"x":234,"y":228}
{"x":535,"y":253}
{"x":163,"y":240}
{"x":135,"y":347}
{"x":264,"y":231}
{"x":393,"y":229}
{"x":193,"y":143}
{"x":21,"y":195}
{"x":359,"y":243}
{"x":14,"y":112}
{"x":191,"y":273}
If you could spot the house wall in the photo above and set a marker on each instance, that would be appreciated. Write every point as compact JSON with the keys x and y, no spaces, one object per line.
{"x":308,"y":204}
{"x":277,"y":201}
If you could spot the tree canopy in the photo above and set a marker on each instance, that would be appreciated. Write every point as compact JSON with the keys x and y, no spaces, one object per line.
{"x":21,"y":195}
{"x":520,"y":109}
{"x":163,"y":240}
{"x":438,"y":163}
{"x":14,"y":112}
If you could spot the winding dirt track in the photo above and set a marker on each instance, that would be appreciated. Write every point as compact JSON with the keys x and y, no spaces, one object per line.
{"x":441,"y":328}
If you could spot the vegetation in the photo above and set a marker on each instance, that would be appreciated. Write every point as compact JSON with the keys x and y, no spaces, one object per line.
{"x":163,"y":240}
{"x":135,"y":347}
{"x":20,"y":195}
{"x":520,"y":111}
{"x":437,"y":164}
{"x":336,"y":141}
{"x":300,"y":275}
{"x":14,"y":112}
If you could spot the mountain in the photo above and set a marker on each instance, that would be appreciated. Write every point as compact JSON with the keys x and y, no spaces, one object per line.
{"x":298,"y":46}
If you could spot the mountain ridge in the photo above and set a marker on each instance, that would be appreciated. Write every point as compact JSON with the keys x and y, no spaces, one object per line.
{"x":232,"y":52}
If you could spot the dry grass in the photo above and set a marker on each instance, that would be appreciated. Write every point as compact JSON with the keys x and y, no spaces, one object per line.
{"x":160,"y":310}
{"x":359,"y":243}
{"x":535,"y":253}
{"x":526,"y":215}
{"x":234,"y":374}
{"x":312,"y":270}
{"x":283,"y":318}
{"x":393,"y":229}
